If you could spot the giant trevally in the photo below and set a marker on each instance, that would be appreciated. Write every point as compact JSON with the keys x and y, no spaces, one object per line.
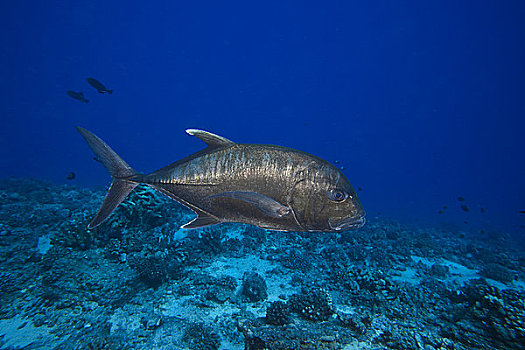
{"x":268,"y":186}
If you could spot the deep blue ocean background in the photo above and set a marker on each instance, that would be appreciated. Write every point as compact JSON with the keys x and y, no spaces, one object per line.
{"x":421,"y":102}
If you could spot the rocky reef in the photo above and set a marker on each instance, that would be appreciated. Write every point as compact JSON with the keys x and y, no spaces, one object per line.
{"x":139,"y":282}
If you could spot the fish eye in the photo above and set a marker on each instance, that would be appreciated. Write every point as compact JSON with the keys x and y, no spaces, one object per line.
{"x":337,"y":195}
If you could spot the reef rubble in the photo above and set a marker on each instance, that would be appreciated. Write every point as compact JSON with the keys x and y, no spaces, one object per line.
{"x":139,"y":282}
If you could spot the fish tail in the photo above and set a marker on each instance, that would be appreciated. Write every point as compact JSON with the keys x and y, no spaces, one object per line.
{"x":124,"y":177}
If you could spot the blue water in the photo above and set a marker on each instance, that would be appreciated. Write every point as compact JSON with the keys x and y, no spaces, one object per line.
{"x":420,"y":102}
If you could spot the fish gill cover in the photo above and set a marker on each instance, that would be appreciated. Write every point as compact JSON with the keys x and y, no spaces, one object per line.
{"x":418,"y":104}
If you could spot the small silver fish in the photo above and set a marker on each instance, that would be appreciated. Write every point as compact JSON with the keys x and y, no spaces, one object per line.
{"x":268,"y":186}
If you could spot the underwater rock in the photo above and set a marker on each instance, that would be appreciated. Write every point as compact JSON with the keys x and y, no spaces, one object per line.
{"x":489,"y":317}
{"x":74,"y":234}
{"x":405,"y":337}
{"x":221,"y":289}
{"x":303,"y":337}
{"x":8,"y":283}
{"x":439,"y":270}
{"x":253,"y":287}
{"x":357,"y":278}
{"x":114,"y":250}
{"x":497,"y":272}
{"x":219,"y":295}
{"x":155,"y":268}
{"x":278,"y":314}
{"x":357,"y":323}
{"x":151,"y":321}
{"x":211,"y":240}
{"x":496,"y":316}
{"x":297,"y":261}
{"x":199,"y":336}
{"x":312,"y":305}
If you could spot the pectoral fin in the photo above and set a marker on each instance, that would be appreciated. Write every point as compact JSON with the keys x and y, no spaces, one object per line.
{"x":264,"y":203}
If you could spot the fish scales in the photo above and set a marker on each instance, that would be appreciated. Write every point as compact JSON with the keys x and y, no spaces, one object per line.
{"x":218,"y":167}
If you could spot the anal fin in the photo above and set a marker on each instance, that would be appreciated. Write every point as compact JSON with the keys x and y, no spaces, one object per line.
{"x":202,"y":220}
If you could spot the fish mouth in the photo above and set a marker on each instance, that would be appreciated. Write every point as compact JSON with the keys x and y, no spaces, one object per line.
{"x":348,"y":223}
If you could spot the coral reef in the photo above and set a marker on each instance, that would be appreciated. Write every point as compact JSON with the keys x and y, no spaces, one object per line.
{"x":199,"y":336}
{"x":74,"y":233}
{"x":278,"y":314}
{"x":139,"y":282}
{"x":144,"y":208}
{"x":291,"y":337}
{"x":498,"y":313}
{"x":297,"y":261}
{"x":312,"y":305}
{"x":497,"y":272}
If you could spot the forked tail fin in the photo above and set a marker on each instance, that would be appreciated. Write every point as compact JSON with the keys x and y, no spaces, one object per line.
{"x":122,"y":174}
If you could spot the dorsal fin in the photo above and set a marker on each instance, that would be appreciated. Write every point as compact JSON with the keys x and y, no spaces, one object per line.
{"x":212,"y":140}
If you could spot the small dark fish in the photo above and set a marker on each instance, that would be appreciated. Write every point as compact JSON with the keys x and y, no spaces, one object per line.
{"x":461,"y":199}
{"x":77,"y":95}
{"x":99,"y":86}
{"x":445,"y":207}
{"x":441,"y":212}
{"x":482,"y":210}
{"x":466,"y":222}
{"x":359,"y":188}
{"x":70,"y":176}
{"x":268,"y":186}
{"x":464,"y":207}
{"x":522,"y":211}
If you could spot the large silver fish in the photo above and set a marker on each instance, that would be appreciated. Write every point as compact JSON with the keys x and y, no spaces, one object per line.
{"x":272,"y":187}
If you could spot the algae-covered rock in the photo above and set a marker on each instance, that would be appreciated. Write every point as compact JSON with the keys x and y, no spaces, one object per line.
{"x":199,"y":336}
{"x":253,"y":287}
{"x":278,"y":314}
{"x":312,"y":305}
